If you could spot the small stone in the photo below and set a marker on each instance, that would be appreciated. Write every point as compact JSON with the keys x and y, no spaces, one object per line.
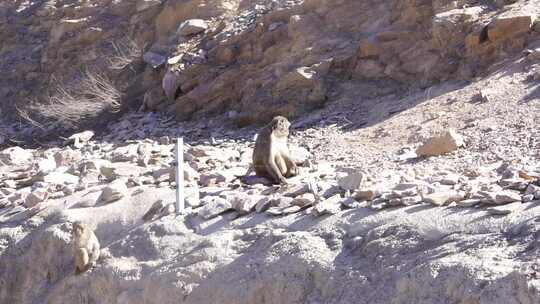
{"x":506,"y":196}
{"x":79,"y":139}
{"x":263,"y":204}
{"x":328,"y":206}
{"x":443,"y":197}
{"x":367,"y":195}
{"x":113,"y":192}
{"x":67,"y":157}
{"x":192,"y":27}
{"x":351,"y":179}
{"x":35,"y":197}
{"x":528,"y":198}
{"x":305,"y":200}
{"x":213,"y":206}
{"x":444,"y":143}
{"x":244,"y":203}
{"x":113,"y":171}
{"x":351,"y":203}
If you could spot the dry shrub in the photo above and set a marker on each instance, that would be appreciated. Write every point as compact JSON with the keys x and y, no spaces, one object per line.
{"x":127,"y":51}
{"x":73,"y":107}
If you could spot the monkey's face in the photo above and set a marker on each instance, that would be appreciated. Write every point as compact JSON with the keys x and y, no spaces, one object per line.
{"x":78,"y":230}
{"x":280,"y":126}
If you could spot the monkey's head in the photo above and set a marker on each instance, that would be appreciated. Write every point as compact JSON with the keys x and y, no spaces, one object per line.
{"x":78,"y":229}
{"x":280,"y":126}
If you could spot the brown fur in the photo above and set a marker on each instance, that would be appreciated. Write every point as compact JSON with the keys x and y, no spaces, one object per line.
{"x":85,"y":247}
{"x":271,"y":157}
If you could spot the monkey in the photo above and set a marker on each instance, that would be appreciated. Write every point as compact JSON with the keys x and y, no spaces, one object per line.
{"x":271,"y":156}
{"x":85,"y":247}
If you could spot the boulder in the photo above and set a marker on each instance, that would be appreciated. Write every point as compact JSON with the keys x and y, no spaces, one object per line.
{"x":507,"y":27}
{"x":446,"y":142}
{"x":15,"y":156}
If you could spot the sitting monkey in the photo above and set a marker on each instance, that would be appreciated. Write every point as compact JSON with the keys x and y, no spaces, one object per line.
{"x":271,"y":157}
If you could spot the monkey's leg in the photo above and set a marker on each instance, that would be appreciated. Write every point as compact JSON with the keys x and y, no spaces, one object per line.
{"x":282,"y":166}
{"x":292,"y":169}
{"x":274,"y":172}
{"x":81,"y":260}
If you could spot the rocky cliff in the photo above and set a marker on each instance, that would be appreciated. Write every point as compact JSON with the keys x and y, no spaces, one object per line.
{"x":250,"y":59}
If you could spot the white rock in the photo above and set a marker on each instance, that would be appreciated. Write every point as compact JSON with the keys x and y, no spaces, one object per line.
{"x":192,"y":26}
{"x":444,"y":143}
{"x":443,"y":197}
{"x":79,"y":139}
{"x":59,"y":178}
{"x":116,"y":170}
{"x":114,"y":191}
{"x":15,"y":156}
{"x":213,"y":206}
{"x":46,"y":165}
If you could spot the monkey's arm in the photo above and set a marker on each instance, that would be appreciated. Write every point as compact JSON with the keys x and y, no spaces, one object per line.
{"x":94,"y":252}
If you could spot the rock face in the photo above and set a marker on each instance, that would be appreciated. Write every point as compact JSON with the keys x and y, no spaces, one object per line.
{"x":284,"y":54}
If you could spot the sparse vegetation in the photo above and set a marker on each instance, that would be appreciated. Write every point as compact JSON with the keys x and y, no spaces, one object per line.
{"x":127,"y":51}
{"x":70,"y":107}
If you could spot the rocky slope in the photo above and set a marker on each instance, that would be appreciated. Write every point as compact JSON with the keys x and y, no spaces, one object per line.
{"x":380,"y":213}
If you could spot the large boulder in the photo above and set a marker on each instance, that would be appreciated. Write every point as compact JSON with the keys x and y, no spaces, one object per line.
{"x":443,"y":143}
{"x":15,"y":156}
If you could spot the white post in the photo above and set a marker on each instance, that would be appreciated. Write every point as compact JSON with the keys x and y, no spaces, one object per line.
{"x":179,"y":151}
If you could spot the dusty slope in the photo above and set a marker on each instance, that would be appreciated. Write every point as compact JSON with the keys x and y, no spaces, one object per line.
{"x":420,"y":253}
